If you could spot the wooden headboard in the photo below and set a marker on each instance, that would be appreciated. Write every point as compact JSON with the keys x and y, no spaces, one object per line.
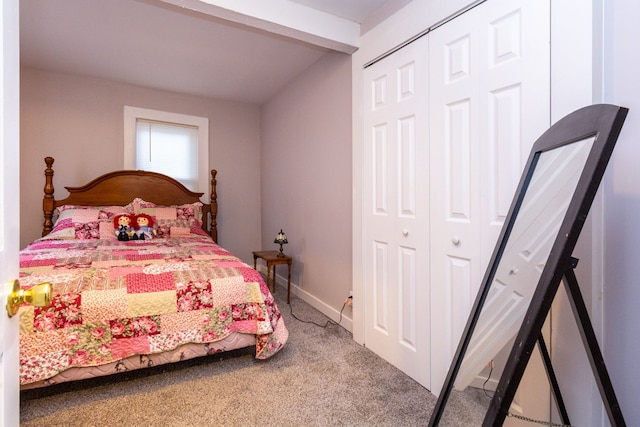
{"x":121,"y":187}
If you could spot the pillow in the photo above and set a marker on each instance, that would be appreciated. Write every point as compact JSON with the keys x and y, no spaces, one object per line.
{"x":137,"y":204}
{"x":111,"y":209}
{"x":187,"y":232}
{"x":167,"y":219}
{"x":186,"y":210}
{"x":106,"y":230}
{"x":82,"y":223}
{"x":178,"y":217}
{"x":180,"y":231}
{"x":62,"y":230}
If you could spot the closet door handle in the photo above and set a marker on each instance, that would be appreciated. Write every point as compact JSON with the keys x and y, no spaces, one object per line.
{"x":455,"y":241}
{"x":405,"y":232}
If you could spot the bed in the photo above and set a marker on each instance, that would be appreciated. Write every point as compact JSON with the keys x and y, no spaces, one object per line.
{"x":124,"y":304}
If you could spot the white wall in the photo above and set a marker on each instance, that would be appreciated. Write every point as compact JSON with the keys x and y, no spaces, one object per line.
{"x":306,"y":181}
{"x":608,"y":248}
{"x":574,"y":74}
{"x":79,"y":121}
{"x":622,"y":208}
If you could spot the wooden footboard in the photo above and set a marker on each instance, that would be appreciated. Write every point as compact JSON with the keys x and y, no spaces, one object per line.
{"x":121,"y":187}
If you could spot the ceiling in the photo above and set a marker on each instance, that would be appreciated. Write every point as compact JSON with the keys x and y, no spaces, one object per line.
{"x":203,"y":48}
{"x":353,"y":10}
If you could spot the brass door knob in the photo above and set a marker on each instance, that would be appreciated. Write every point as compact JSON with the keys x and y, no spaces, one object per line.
{"x":39,"y":295}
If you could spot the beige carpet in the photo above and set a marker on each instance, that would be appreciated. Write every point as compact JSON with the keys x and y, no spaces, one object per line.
{"x":321,"y":378}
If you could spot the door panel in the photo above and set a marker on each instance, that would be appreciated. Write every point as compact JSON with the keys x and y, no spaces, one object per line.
{"x":489,"y":101}
{"x":9,"y":201}
{"x":395,"y":188}
{"x":455,"y":167}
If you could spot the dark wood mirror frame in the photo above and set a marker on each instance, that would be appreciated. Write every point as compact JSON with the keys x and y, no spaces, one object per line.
{"x":603,"y":124}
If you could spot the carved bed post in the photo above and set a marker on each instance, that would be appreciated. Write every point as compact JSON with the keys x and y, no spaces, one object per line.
{"x":47,"y":201}
{"x":214,"y":206}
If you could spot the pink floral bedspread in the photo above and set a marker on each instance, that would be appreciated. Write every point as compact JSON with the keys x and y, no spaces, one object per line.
{"x":115,"y":299}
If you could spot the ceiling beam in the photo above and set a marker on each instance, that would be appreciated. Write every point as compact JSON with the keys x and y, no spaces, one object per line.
{"x":285,"y":18}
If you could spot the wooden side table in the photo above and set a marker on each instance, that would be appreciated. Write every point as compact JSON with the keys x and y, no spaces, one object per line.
{"x":272,"y":259}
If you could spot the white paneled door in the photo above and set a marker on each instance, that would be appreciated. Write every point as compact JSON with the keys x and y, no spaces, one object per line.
{"x":448,"y":124}
{"x":395,"y":208}
{"x":489,"y":101}
{"x":9,"y":203}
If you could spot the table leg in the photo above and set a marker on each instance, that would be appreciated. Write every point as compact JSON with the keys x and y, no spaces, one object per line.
{"x":289,"y":284}
{"x":274,"y":279}
{"x":268,"y":276}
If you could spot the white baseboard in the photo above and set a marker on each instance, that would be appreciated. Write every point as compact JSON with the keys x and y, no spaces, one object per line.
{"x":321,"y":306}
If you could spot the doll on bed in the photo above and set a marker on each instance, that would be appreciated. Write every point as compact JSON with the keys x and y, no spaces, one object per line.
{"x":122,"y":225}
{"x":144,"y":227}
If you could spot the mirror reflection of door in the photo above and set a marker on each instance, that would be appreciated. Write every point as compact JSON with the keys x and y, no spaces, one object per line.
{"x":529,"y":244}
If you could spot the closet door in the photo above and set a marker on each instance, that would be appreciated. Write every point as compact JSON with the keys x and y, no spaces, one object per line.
{"x":489,"y":101}
{"x":395,"y":211}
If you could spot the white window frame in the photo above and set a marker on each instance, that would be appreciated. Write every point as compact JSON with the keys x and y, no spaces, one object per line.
{"x":131,"y":116}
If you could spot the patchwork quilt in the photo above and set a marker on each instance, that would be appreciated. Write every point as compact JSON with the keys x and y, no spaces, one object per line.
{"x":114,"y":299}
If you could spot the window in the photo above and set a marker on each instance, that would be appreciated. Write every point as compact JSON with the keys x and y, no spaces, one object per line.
{"x":173,"y":144}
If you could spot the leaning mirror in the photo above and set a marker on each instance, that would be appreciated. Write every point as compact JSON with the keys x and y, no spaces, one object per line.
{"x":532,"y":254}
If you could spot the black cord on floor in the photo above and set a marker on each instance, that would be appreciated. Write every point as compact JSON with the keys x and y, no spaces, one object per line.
{"x":329,"y":322}
{"x":486,"y":381}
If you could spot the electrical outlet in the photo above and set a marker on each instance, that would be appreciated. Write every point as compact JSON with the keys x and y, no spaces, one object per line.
{"x":349,"y":299}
